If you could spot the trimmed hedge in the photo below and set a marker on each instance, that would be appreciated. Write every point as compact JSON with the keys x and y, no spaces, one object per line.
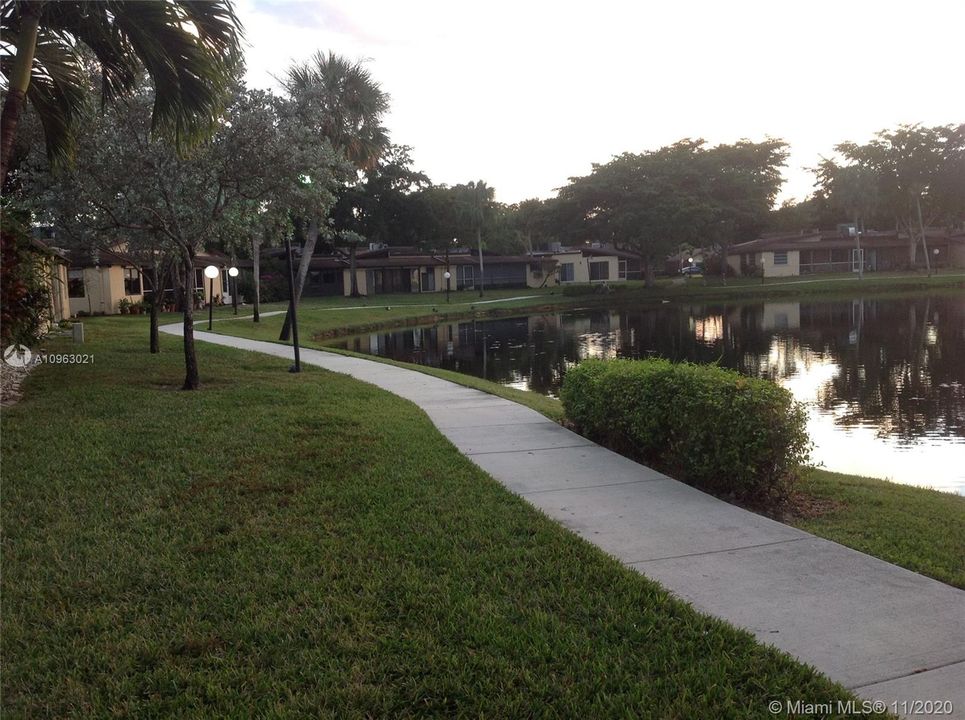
{"x":734,"y":436}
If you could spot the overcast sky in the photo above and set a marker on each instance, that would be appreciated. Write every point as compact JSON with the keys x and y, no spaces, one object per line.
{"x":526,"y":94}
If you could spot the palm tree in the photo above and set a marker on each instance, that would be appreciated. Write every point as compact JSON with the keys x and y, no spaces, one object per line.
{"x":343,"y":103}
{"x":340,"y":101}
{"x":190,"y":49}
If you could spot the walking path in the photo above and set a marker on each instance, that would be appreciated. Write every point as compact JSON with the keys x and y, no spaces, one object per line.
{"x":885,"y":632}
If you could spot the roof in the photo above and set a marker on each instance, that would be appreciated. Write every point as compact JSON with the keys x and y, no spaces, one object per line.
{"x":46,"y":249}
{"x":99,"y":258}
{"x":833,"y":239}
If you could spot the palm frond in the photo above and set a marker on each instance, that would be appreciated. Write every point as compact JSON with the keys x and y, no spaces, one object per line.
{"x":58,"y":93}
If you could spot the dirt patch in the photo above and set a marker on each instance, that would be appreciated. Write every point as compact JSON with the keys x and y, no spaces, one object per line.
{"x":801,"y":506}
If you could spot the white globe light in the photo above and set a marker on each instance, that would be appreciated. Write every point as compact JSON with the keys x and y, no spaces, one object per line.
{"x":211,"y":272}
{"x":446,"y":275}
{"x":690,"y":260}
{"x":233,"y":271}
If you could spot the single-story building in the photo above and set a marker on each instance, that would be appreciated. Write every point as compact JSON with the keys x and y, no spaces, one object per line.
{"x":405,"y":269}
{"x":592,"y":265}
{"x":98,"y":282}
{"x":832,"y":251}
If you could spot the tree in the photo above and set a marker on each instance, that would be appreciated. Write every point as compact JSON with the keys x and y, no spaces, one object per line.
{"x":130,"y":186}
{"x":743,"y":180}
{"x":647,"y":203}
{"x":276,"y":166}
{"x":190,"y":50}
{"x":653,"y":202}
{"x":343,"y":105}
{"x":920,"y":173}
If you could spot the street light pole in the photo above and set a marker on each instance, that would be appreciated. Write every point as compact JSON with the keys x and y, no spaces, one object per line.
{"x":297,"y":367}
{"x":210,"y":272}
{"x":447,"y":274}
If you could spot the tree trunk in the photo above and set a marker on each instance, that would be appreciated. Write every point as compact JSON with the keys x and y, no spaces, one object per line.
{"x":18,"y":82}
{"x":648,"y":273}
{"x":352,"y":267}
{"x":307,"y":252}
{"x":192,"y":380}
{"x":256,"y":271}
{"x":157,"y":296}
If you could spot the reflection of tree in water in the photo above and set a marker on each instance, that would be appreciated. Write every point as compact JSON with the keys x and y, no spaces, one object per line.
{"x":903,"y":368}
{"x":901,"y":362}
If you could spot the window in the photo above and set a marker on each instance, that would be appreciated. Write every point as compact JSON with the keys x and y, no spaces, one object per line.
{"x":622,"y":269}
{"x":780,"y":258}
{"x":132,"y":281}
{"x":198,"y":279}
{"x":599,"y":271}
{"x":566,"y":272}
{"x":75,"y":284}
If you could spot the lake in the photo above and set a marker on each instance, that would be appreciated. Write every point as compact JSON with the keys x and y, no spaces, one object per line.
{"x":883,"y":379}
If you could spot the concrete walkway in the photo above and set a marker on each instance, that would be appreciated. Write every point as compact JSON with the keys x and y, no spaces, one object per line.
{"x":887,"y":633}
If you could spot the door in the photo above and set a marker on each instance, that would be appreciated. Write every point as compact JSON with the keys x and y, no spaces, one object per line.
{"x":857,"y":259}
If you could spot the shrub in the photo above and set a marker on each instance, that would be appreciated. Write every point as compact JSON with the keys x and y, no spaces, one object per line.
{"x":24,"y":294}
{"x":734,"y":436}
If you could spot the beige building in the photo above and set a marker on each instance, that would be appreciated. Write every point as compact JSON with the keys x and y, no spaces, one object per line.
{"x":98,"y":283}
{"x":808,"y":253}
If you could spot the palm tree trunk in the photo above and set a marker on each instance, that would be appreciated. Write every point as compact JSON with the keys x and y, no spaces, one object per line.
{"x":924,"y":242}
{"x":307,"y":251}
{"x":479,"y":248}
{"x":256,"y":271}
{"x":19,"y":82}
{"x":192,"y":380}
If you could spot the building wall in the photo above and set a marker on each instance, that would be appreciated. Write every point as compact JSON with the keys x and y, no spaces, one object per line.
{"x":792,"y":268}
{"x":360,"y":276}
{"x":581,"y":273}
{"x":55,"y":277}
{"x":581,"y":267}
{"x":956,"y":255}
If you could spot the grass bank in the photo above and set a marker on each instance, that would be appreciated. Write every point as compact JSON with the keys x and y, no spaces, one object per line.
{"x":308,"y":545}
{"x":919,"y":529}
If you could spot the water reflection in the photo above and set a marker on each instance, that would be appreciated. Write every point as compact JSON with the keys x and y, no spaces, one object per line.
{"x":884,"y":379}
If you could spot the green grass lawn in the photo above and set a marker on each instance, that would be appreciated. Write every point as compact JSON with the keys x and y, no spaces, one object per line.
{"x":922,"y":530}
{"x":919,"y":529}
{"x":280,"y":544}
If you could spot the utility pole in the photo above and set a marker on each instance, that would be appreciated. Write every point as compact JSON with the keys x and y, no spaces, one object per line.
{"x":297,"y":367}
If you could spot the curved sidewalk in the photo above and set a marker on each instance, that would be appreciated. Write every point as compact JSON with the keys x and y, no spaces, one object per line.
{"x":883,"y":631}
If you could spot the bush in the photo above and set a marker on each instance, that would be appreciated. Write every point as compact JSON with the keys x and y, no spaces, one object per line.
{"x":24,"y":294}
{"x":737,"y":437}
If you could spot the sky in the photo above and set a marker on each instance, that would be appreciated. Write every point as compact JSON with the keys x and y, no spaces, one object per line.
{"x":526,"y":94}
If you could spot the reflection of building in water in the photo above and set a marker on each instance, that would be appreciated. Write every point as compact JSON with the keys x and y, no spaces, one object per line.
{"x":597,"y":332}
{"x":781,"y":316}
{"x":708,"y":330}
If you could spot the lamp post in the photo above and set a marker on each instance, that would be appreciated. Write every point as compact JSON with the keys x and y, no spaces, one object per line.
{"x":447,"y":275}
{"x":210,"y":272}
{"x":935,"y":264}
{"x":233,"y":274}
{"x":297,"y":367}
